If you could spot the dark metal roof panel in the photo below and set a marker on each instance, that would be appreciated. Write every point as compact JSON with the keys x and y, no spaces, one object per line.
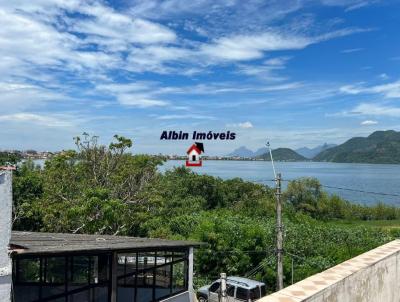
{"x":50,"y":243}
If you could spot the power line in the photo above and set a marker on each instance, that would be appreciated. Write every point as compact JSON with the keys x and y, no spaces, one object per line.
{"x":259,"y":267}
{"x":362,"y":191}
{"x":341,"y":188}
{"x":329,"y":187}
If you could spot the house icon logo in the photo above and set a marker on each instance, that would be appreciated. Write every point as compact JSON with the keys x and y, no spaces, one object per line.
{"x":193,"y":153}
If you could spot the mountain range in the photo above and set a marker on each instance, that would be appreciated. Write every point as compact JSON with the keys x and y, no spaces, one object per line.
{"x":245,"y":152}
{"x":305,"y":152}
{"x":312,"y":152}
{"x":280,"y":154}
{"x":381,"y":147}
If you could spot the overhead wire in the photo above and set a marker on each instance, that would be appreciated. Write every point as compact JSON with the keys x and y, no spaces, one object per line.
{"x":338,"y":188}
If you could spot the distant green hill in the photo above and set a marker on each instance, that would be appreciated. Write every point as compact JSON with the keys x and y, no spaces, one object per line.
{"x":381,"y":147}
{"x":283,"y":154}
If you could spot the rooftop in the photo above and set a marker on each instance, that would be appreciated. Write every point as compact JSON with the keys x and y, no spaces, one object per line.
{"x":50,"y":243}
{"x":248,"y":283}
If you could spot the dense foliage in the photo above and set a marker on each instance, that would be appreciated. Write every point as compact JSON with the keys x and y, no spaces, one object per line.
{"x":9,"y":158}
{"x":104,"y":190}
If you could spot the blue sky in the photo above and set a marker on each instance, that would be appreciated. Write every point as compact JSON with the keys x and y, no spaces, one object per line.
{"x":298,"y":73}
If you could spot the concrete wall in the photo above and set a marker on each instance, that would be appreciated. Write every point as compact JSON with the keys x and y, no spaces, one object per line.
{"x":5,"y":234}
{"x":183,"y":297}
{"x":370,"y":277}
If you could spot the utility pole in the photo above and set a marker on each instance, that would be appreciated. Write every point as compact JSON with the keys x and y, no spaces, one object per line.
{"x":292,"y":270}
{"x":223,"y":287}
{"x":279,"y":227}
{"x":279,"y":233}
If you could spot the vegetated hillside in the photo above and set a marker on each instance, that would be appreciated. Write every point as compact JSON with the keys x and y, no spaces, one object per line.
{"x":312,"y":152}
{"x":381,"y":147}
{"x":283,"y":154}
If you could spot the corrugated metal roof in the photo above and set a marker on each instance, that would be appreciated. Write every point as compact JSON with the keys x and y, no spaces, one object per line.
{"x":50,"y":243}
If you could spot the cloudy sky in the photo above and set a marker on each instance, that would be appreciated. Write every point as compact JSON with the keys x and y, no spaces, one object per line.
{"x":298,"y":73}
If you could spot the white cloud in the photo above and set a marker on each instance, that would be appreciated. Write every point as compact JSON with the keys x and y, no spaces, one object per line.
{"x":245,"y":125}
{"x":43,"y":120}
{"x":368,"y":123}
{"x":268,"y":70}
{"x":367,"y":109}
{"x":383,"y":76}
{"x":102,"y":39}
{"x":360,"y":4}
{"x":277,"y":61}
{"x":351,"y":89}
{"x":139,"y":100}
{"x":151,"y":90}
{"x":134,"y":94}
{"x":390,"y":90}
{"x":249,"y":47}
{"x":42,"y":35}
{"x":117,"y":88}
{"x":116,"y":28}
{"x":218,"y":13}
{"x":20,"y":96}
{"x":26,"y":40}
{"x":154,"y":58}
{"x":351,"y":50}
{"x":349,"y":5}
{"x":242,"y":125}
{"x":184,"y":116}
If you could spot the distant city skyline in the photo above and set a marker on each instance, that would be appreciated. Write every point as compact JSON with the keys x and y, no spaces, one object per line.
{"x":296,"y":73}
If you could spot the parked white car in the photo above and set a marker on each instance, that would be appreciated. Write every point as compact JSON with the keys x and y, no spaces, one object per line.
{"x":238,"y":289}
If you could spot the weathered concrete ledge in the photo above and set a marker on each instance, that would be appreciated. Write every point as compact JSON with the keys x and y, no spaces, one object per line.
{"x":371,"y":277}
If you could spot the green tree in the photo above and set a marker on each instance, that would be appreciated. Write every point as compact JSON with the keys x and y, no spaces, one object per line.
{"x":10,"y":158}
{"x":27,"y":190}
{"x":96,"y":189}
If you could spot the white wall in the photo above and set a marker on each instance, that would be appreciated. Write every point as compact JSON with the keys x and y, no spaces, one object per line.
{"x":5,"y":234}
{"x":377,"y":283}
{"x":371,"y":277}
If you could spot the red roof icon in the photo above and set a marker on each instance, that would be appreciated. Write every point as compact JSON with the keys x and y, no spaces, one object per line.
{"x":193,"y":147}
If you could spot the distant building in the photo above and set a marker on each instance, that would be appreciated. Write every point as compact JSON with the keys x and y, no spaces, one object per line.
{"x":98,"y":268}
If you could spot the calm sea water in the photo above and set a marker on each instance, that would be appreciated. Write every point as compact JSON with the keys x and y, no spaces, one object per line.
{"x":364,"y":177}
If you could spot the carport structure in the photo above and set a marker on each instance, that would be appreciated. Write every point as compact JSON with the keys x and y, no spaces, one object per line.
{"x":100,"y":268}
